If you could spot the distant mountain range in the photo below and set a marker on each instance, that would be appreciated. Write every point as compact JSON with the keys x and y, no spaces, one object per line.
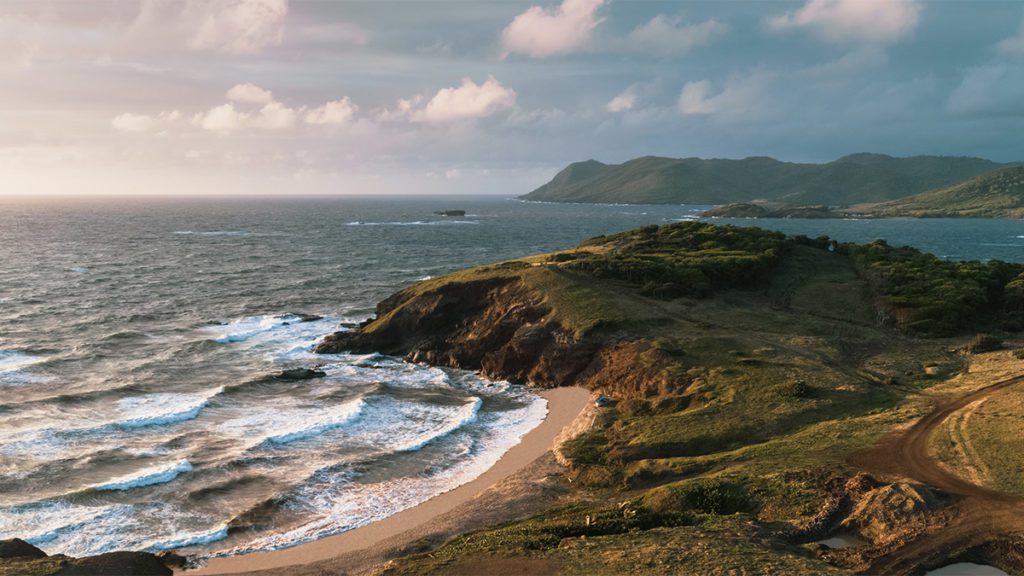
{"x":850,"y":180}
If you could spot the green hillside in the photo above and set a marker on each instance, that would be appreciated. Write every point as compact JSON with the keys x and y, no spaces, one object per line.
{"x":853,"y":179}
{"x":998,"y":194}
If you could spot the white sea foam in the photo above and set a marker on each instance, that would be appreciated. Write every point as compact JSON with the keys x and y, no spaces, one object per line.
{"x":285,"y":336}
{"x":161,"y":408}
{"x":83,"y":529}
{"x":12,"y":360}
{"x":146,"y":476}
{"x":283,"y":425}
{"x":186,"y":539}
{"x":13,"y":364}
{"x":337,"y":504}
{"x":463,"y":416}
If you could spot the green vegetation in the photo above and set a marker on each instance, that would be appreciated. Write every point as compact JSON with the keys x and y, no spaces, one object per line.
{"x":998,"y":194}
{"x":922,"y":294}
{"x":982,"y":441}
{"x":853,"y":179}
{"x":692,"y":259}
{"x":753,"y":366}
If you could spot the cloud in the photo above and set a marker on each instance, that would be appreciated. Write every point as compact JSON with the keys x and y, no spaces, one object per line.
{"x":337,"y":112}
{"x":452,"y":173}
{"x":275,"y":116}
{"x":468,"y":101}
{"x":739,"y":95}
{"x":853,"y":21}
{"x":1014,"y":45}
{"x":236,"y":26}
{"x":667,"y":36}
{"x":624,"y":101}
{"x":541,"y":33}
{"x":250,"y":93}
{"x":223,"y":119}
{"x":990,"y":90}
{"x":129,"y":122}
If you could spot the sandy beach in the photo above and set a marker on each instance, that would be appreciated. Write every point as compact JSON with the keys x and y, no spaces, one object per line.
{"x":564,"y":405}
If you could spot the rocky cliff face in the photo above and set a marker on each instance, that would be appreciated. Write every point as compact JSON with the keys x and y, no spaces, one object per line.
{"x":503,"y":328}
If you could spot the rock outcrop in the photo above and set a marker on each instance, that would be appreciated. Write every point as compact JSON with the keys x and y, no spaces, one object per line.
{"x":504,"y":329}
{"x":20,"y":557}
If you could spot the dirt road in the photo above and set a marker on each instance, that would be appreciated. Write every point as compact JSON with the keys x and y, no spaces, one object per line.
{"x":981,"y":516}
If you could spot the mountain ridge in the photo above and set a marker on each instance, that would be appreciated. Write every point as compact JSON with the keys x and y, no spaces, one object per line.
{"x":852,"y":179}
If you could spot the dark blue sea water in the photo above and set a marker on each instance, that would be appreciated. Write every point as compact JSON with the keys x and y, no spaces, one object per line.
{"x":136,"y":335}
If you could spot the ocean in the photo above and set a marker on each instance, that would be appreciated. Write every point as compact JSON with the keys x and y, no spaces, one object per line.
{"x":139,"y":339}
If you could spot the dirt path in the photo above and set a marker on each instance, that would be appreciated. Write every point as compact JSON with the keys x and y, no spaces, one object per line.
{"x":981,"y":516}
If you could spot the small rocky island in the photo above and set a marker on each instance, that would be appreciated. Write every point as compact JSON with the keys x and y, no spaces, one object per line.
{"x":450,"y":212}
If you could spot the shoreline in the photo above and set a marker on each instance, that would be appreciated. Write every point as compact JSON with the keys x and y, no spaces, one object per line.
{"x":564,"y":406}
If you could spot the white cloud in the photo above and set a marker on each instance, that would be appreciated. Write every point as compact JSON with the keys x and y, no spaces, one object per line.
{"x":1014,"y":45}
{"x":991,"y":90}
{"x":846,"y":21}
{"x":250,"y":93}
{"x":667,"y":36}
{"x":540,"y":33}
{"x":739,"y":95}
{"x":223,"y":119}
{"x":470,"y":100}
{"x":129,"y":122}
{"x":452,"y":173}
{"x":694,"y":98}
{"x":236,"y":26}
{"x":624,"y":101}
{"x":403,"y":110}
{"x":275,"y":116}
{"x":337,"y":112}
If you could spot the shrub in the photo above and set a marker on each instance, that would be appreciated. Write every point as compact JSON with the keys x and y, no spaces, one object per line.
{"x":707,"y":495}
{"x":984,"y":343}
{"x":795,"y":389}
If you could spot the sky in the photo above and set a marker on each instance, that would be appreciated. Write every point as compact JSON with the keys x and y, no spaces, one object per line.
{"x":286,"y":97}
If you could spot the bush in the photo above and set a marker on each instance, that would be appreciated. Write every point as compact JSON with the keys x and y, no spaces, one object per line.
{"x":795,"y":389}
{"x":707,"y":495}
{"x":984,"y":343}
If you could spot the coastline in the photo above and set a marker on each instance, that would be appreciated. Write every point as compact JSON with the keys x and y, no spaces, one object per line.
{"x":565,"y":405}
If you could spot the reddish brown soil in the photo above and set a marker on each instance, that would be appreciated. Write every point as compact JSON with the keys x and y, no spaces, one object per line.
{"x":983,"y":524}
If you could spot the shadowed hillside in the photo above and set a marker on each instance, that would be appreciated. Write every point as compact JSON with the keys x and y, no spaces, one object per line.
{"x":853,"y":179}
{"x":998,"y":194}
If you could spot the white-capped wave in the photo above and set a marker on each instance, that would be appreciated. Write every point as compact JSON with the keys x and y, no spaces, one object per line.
{"x":13,"y":364}
{"x":161,"y":408}
{"x":466,"y":414}
{"x":79,"y":270}
{"x":337,"y":504}
{"x":287,"y":333}
{"x":146,"y":476}
{"x":62,"y":527}
{"x":283,"y":425}
{"x":186,"y":539}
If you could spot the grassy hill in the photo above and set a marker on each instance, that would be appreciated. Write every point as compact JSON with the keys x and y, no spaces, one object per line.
{"x":853,"y":179}
{"x":747,"y":367}
{"x":998,"y":194}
